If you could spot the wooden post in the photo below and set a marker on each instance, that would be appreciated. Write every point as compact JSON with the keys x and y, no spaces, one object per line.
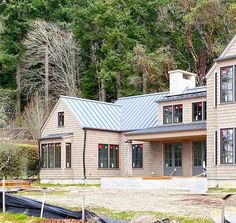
{"x":83,"y":208}
{"x":223,"y":214}
{"x":3,"y":196}
{"x":41,"y":214}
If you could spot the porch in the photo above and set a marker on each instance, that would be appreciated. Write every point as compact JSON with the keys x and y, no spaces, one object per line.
{"x":178,"y":150}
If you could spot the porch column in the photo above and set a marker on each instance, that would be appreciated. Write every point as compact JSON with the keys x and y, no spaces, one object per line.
{"x":128,"y":158}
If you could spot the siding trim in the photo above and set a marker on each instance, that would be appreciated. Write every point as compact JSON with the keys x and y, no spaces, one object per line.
{"x":216,"y":149}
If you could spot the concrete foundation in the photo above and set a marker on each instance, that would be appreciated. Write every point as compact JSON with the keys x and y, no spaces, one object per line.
{"x":222,"y":183}
{"x":195,"y":185}
{"x":70,"y":181}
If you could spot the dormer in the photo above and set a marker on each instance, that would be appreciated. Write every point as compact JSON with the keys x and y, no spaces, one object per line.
{"x":180,"y":80}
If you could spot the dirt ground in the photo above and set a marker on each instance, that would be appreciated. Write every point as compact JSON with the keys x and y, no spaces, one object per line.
{"x":176,"y":202}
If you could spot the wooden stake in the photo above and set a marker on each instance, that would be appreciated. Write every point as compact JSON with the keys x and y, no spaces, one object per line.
{"x":41,"y":214}
{"x":3,"y":196}
{"x":223,"y":214}
{"x":83,"y":209}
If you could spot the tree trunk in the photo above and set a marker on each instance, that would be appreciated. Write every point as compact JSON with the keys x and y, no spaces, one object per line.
{"x":103,"y":90}
{"x":46,"y":77}
{"x":18,"y":83}
{"x":118,"y":84}
{"x":145,"y":80}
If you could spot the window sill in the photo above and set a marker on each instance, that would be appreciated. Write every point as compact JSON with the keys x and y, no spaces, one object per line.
{"x":60,"y":126}
{"x":137,"y":168}
{"x":108,"y":168}
{"x":227,"y":103}
{"x":226,"y":165}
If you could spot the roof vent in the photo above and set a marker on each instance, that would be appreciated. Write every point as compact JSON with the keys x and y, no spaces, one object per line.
{"x":180,"y":80}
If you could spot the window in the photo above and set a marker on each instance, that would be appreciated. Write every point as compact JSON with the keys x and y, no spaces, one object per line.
{"x":137,"y":155}
{"x":68,"y":155}
{"x":167,"y":114}
{"x":44,"y":155}
{"x":172,"y":114}
{"x":227,"y":145}
{"x":114,"y":156}
{"x":199,"y":111}
{"x":108,"y":156}
{"x":51,"y":155}
{"x":60,"y":118}
{"x":57,"y":155}
{"x":178,"y":113}
{"x":226,"y":82}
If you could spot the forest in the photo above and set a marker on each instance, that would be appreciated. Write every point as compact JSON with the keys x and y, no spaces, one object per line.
{"x":102,"y":49}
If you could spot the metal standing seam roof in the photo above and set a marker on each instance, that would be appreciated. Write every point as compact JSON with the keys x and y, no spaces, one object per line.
{"x":94,"y":114}
{"x":139,"y":112}
{"x":170,"y":128}
{"x":188,"y":93}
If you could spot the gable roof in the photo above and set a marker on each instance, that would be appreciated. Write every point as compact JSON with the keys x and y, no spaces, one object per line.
{"x":94,"y":114}
{"x":225,"y":55}
{"x":139,"y":112}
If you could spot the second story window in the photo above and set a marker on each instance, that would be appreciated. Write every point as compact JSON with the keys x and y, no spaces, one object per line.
{"x":199,"y":111}
{"x":226,"y":84}
{"x":60,"y":118}
{"x":172,"y":114}
{"x":167,"y":114}
{"x":177,"y":113}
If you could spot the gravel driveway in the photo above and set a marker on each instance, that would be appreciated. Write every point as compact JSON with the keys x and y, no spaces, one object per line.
{"x":176,"y":202}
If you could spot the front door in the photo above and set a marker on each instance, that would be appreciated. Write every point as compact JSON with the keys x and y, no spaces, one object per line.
{"x":199,"y":157}
{"x":173,"y":159}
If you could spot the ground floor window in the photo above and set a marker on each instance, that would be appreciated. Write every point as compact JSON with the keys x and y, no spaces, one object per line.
{"x":137,"y":155}
{"x":68,"y":155}
{"x":51,"y":155}
{"x":227,"y":146}
{"x":108,"y":156}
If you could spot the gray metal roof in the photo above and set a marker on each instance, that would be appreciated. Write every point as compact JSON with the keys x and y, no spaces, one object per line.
{"x":188,"y":93}
{"x":94,"y":114}
{"x":139,"y":112}
{"x":171,"y":128}
{"x":57,"y":135}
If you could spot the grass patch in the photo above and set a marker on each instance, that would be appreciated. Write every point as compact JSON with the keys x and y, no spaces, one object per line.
{"x":221,"y":190}
{"x":18,"y":218}
{"x":38,"y":184}
{"x":128,"y":215}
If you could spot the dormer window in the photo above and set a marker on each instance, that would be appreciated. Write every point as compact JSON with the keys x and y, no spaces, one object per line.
{"x":199,"y":111}
{"x":60,"y":118}
{"x":173,"y":114}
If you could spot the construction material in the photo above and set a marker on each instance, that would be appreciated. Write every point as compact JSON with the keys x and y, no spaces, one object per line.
{"x":3,"y":196}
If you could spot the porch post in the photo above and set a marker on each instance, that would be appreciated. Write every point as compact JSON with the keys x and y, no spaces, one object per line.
{"x":128,"y":158}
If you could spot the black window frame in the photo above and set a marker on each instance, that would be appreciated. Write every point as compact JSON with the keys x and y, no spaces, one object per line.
{"x":60,"y":119}
{"x":68,"y":155}
{"x":55,"y":164}
{"x":227,"y":90}
{"x":200,"y":112}
{"x":109,"y":157}
{"x":170,"y":109}
{"x":227,"y":151}
{"x":179,"y":110}
{"x":137,"y":163}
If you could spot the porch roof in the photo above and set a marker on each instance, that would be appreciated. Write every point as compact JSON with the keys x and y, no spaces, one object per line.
{"x":170,"y":132}
{"x":57,"y":136}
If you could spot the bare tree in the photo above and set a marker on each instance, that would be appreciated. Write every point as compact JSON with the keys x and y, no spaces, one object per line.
{"x":35,"y":115}
{"x":50,"y":63}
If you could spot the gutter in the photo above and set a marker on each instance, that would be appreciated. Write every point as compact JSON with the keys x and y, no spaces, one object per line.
{"x":84,"y":153}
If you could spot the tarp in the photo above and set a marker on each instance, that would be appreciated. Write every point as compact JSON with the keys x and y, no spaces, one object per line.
{"x":17,"y":204}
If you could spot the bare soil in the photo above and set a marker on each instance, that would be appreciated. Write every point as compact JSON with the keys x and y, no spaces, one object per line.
{"x":167,"y":201}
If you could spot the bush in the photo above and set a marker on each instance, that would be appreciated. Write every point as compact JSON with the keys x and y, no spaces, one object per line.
{"x":18,"y":160}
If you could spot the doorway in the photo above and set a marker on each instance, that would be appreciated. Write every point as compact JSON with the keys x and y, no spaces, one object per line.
{"x":199,"y":157}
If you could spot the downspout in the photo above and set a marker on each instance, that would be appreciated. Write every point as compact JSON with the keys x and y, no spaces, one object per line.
{"x":39,"y":158}
{"x":84,"y":151}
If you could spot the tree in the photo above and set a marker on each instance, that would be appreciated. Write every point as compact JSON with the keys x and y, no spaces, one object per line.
{"x":50,"y":61}
{"x":35,"y":114}
{"x":11,"y":160}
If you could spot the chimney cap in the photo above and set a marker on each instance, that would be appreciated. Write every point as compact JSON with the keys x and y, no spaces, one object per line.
{"x":182,"y":71}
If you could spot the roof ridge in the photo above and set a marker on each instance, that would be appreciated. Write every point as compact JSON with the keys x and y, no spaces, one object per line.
{"x":89,"y":100}
{"x":143,"y":95}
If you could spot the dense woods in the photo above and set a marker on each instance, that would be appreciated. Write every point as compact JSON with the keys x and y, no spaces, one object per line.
{"x":102,"y":49}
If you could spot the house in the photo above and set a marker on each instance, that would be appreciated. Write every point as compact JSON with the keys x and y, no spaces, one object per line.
{"x":176,"y":133}
{"x":158,"y":134}
{"x":221,"y":123}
